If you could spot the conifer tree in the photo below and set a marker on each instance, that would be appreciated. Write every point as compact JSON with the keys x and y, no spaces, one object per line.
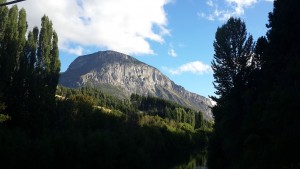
{"x":270,"y":127}
{"x":233,"y":52}
{"x":232,"y":67}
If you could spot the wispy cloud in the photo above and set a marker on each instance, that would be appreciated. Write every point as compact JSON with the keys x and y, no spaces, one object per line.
{"x":172,"y":53}
{"x":229,"y":8}
{"x":196,"y":67}
{"x":210,"y":3}
{"x":78,"y":50}
{"x":125,"y":26}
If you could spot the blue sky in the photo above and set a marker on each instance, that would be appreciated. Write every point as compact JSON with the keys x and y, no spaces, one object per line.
{"x":175,"y":36}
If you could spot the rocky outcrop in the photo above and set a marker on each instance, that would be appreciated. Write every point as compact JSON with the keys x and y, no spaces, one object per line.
{"x":124,"y":75}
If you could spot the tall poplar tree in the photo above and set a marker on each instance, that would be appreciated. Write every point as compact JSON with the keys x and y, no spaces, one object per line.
{"x":29,"y":69}
{"x":44,"y":57}
{"x":18,"y":89}
{"x":9,"y":47}
{"x":9,"y":56}
{"x":3,"y":23}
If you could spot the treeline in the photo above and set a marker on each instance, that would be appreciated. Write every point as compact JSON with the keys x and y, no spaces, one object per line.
{"x":169,"y":110}
{"x":257,"y":112}
{"x":101,"y":98}
{"x":140,"y":106}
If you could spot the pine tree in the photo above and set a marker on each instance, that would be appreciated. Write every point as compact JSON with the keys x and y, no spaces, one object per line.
{"x":232,"y":66}
{"x":259,"y":58}
{"x":233,"y":52}
{"x":269,"y":126}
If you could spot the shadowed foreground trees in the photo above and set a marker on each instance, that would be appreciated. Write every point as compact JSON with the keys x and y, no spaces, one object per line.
{"x":232,"y":66}
{"x":87,"y":134}
{"x":257,"y":126}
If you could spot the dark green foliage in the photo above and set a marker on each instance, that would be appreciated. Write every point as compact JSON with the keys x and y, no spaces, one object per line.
{"x":139,"y":106}
{"x":166,"y":109}
{"x":102,"y":99}
{"x":29,"y":69}
{"x":264,"y":131}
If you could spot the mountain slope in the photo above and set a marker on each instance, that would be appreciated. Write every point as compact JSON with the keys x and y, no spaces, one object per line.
{"x":121,"y":75}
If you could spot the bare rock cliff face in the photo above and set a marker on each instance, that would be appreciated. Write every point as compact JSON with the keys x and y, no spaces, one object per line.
{"x":123,"y":72}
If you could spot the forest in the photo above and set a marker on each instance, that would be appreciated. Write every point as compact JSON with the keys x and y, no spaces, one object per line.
{"x":256,"y":118}
{"x":43,"y":125}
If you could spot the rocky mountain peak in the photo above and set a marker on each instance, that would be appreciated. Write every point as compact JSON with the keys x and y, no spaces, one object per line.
{"x":122,"y":75}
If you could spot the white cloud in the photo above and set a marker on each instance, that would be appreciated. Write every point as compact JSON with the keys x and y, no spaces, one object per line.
{"x":210,"y":3}
{"x":76,"y":51}
{"x":217,"y":14}
{"x":172,"y":53}
{"x":125,"y":26}
{"x":240,"y":5}
{"x":196,"y":67}
{"x":231,"y":8}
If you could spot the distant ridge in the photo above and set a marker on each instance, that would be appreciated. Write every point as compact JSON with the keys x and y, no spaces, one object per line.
{"x":121,"y":75}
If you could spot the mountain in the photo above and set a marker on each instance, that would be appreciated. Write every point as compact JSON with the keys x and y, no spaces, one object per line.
{"x":121,"y":75}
